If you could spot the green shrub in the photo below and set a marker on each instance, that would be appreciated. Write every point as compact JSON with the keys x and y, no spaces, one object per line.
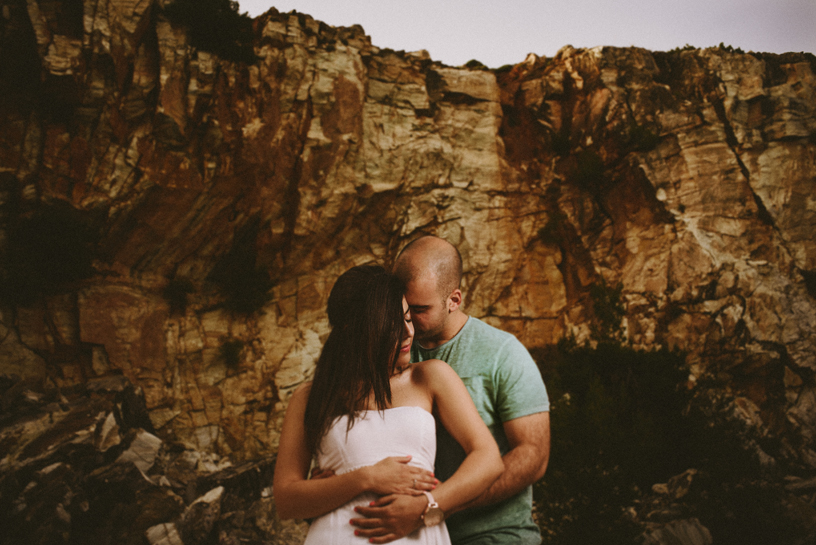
{"x":473,"y":64}
{"x":686,"y":47}
{"x":609,"y":312}
{"x":215,"y":26}
{"x":729,"y":48}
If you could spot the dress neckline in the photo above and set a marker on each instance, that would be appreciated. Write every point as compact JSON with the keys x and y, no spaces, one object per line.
{"x":399,"y":407}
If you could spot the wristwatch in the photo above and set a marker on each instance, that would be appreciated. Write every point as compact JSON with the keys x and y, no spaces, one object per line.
{"x":433,"y":515}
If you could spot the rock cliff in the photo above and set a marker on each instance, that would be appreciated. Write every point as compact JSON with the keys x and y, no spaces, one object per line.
{"x":214,"y":203}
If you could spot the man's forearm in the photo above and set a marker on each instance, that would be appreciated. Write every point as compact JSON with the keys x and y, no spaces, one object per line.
{"x":522,"y":466}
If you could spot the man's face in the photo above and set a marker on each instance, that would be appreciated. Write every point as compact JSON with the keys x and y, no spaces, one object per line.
{"x":429,"y":309}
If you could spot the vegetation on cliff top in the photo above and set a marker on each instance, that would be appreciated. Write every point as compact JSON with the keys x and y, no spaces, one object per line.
{"x":215,"y":26}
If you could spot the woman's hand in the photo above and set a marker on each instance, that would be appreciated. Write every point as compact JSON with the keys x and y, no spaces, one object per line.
{"x":394,"y":476}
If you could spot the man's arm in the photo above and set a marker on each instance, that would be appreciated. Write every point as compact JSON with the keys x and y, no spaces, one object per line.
{"x":525,"y":462}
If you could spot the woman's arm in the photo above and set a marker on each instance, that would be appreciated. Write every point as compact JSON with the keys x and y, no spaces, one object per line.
{"x":396,"y":516}
{"x":483,"y":463}
{"x":298,"y":497}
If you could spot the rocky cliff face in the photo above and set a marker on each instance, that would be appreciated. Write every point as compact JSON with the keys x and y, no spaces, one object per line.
{"x":220,"y":200}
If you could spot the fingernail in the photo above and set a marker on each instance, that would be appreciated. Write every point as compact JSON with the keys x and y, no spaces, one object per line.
{"x":356,"y":532}
{"x":371,"y":504}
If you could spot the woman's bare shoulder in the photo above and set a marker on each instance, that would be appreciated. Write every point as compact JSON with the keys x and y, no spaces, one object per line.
{"x":304,"y":388}
{"x":301,"y":393}
{"x":433,"y":369}
{"x":429,"y":364}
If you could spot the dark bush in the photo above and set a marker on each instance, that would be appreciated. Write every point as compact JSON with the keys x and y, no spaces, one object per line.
{"x":686,"y":47}
{"x":642,"y":138}
{"x":553,"y":231}
{"x":230,"y":352}
{"x":176,"y":292}
{"x":560,"y":142}
{"x":47,"y":251}
{"x":590,"y":172}
{"x":243,"y":283}
{"x":810,"y":281}
{"x":623,"y":420}
{"x":730,"y":49}
{"x":617,"y":426}
{"x":215,"y":26}
{"x":473,"y":64}
{"x":740,"y":500}
{"x":609,"y":312}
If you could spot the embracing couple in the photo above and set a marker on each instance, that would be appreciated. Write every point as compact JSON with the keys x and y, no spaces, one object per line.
{"x":427,"y":426}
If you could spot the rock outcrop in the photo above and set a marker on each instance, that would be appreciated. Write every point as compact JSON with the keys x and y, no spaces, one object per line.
{"x":221,"y":200}
{"x":79,"y":468}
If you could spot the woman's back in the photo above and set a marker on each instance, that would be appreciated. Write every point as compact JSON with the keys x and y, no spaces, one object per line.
{"x":398,"y":431}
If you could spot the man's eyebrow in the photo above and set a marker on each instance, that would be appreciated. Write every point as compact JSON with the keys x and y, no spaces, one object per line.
{"x":418,"y":307}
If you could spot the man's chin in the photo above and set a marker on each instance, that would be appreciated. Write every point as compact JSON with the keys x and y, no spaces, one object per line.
{"x":420,"y":338}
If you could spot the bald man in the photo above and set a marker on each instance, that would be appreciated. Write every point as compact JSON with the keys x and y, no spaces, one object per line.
{"x":506,"y":386}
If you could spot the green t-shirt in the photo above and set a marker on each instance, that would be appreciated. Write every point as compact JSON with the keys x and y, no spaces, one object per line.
{"x":505,"y":383}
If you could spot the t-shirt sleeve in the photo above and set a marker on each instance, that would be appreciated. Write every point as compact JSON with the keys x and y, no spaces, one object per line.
{"x":521,"y":391}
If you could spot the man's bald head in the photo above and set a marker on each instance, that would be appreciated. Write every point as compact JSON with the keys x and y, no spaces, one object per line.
{"x":431,"y":256}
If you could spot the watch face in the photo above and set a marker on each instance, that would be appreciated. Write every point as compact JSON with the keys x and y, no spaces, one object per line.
{"x":433,"y":516}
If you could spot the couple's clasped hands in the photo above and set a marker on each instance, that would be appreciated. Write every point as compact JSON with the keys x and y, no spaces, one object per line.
{"x":396,"y":513}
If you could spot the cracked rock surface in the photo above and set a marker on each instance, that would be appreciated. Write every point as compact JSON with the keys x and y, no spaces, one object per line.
{"x":687,"y":177}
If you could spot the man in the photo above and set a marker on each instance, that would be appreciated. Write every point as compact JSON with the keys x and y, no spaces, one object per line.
{"x":506,"y":386}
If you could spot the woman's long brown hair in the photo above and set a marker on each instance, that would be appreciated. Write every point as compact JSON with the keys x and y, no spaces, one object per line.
{"x":366,"y":316}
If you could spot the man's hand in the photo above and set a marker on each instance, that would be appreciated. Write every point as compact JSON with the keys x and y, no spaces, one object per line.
{"x":389,"y":518}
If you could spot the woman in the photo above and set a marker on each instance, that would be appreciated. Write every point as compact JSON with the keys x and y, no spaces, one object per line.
{"x":368,"y":416}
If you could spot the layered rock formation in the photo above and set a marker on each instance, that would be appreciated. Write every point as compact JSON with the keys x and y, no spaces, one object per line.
{"x":223,"y":199}
{"x":90,"y":472}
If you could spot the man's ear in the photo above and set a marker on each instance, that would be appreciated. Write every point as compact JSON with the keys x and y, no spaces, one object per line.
{"x":454,"y":300}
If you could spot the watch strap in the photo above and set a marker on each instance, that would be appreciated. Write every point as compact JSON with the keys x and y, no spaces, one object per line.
{"x":432,"y":515}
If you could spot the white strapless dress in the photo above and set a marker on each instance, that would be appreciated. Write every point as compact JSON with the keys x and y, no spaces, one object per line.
{"x":398,"y":431}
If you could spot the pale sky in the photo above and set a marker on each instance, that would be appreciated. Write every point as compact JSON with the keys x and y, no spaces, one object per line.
{"x":499,"y":32}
